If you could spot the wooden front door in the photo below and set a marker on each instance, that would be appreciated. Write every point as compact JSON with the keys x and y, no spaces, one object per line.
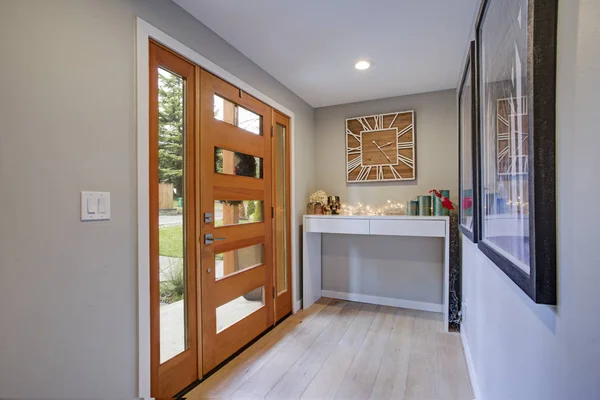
{"x":236,"y":221}
{"x":173,"y":223}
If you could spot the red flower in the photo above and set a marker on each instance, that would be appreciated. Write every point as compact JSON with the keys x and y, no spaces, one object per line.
{"x":437,"y":193}
{"x":446,"y":203}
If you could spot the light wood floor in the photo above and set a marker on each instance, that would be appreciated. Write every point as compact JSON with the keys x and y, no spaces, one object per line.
{"x":344,"y":350}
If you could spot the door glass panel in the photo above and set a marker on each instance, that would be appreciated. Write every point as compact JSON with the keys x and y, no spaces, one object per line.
{"x":249,"y":121}
{"x":280,"y":208}
{"x":240,"y":164}
{"x":238,"y":260}
{"x":227,"y":111}
{"x":238,"y":309}
{"x":171,"y":221}
{"x":238,"y":212}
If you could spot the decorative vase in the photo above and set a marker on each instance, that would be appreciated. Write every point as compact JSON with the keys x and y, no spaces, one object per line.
{"x":412,"y":208}
{"x":424,"y":206}
{"x":318,"y":209}
{"x":310,"y":208}
{"x":438,"y":209}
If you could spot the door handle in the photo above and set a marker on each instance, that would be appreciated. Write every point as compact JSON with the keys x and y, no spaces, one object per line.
{"x":209,"y":239}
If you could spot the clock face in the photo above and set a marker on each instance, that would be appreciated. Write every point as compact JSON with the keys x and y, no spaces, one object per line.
{"x":381,"y":147}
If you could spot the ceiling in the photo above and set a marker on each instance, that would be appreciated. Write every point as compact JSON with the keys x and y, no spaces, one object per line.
{"x":311,"y":46}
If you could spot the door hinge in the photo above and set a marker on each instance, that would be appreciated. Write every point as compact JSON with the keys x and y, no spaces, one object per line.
{"x":272,"y":212}
{"x":241,"y":93}
{"x":271,"y":131}
{"x":273,"y":292}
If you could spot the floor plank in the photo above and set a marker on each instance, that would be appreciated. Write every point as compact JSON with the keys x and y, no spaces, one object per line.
{"x":393,"y":373}
{"x":452,"y":367}
{"x":331,"y":375}
{"x":360,"y":378}
{"x":422,"y":382}
{"x":273,"y":370}
{"x":295,"y":381}
{"x":339,"y":349}
{"x":427,"y":327}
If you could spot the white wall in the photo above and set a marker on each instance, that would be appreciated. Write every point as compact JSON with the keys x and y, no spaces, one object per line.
{"x":437,"y":148}
{"x":524,"y":351}
{"x":68,"y":290}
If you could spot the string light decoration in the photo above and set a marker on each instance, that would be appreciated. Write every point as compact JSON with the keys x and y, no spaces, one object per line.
{"x":388,"y":208}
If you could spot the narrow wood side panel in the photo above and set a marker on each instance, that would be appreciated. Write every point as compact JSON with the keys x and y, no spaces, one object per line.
{"x":173,"y":375}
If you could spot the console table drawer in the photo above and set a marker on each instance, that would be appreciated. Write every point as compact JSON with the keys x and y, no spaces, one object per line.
{"x":331,"y":225}
{"x":409,"y":227}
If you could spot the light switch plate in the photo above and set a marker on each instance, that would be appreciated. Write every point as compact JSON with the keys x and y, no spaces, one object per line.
{"x":95,"y":206}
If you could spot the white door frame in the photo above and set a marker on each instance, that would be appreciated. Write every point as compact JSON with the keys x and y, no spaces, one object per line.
{"x":144,"y":32}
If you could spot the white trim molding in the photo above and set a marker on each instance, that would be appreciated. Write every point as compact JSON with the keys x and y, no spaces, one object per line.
{"x":384,"y":301}
{"x":297,"y":306}
{"x":143,"y":207}
{"x":144,"y":32}
{"x":470,"y":365}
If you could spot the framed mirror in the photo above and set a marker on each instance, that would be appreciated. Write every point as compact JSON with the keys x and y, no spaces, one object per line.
{"x":516,"y":63}
{"x":468,"y":142}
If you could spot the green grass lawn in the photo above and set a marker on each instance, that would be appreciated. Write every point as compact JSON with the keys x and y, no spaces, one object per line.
{"x":171,"y":241}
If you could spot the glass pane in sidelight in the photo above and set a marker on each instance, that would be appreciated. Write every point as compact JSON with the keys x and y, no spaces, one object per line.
{"x":171,"y":221}
{"x":238,"y":260}
{"x":227,"y":111}
{"x":280,"y":208}
{"x":236,"y":212}
{"x":240,"y":164}
{"x":238,"y":309}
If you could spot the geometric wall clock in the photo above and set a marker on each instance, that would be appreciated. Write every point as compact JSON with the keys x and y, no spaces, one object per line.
{"x":381,"y":147}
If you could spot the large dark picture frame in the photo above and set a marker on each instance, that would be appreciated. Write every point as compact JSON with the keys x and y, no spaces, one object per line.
{"x":467,"y":93}
{"x":516,"y":98}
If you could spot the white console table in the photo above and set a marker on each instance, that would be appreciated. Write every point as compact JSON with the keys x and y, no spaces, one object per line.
{"x":315,"y":225}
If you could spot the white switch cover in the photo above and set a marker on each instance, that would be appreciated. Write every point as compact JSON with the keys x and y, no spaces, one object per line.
{"x":95,"y":206}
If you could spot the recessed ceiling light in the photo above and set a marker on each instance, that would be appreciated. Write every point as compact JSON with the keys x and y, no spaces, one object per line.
{"x":362,"y":65}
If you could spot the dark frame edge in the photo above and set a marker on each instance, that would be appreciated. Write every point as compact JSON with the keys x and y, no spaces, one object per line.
{"x":467,"y":233}
{"x":542,"y":87}
{"x":470,"y":63}
{"x":518,"y":276}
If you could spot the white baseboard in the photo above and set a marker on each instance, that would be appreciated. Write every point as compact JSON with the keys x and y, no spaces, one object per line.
{"x":384,"y":301}
{"x":297,"y":306}
{"x":470,"y":365}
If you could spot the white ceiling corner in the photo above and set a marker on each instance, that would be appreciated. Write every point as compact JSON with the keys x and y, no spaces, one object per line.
{"x":311,"y":46}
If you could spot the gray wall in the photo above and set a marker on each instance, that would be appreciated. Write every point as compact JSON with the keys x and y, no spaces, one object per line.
{"x":411,"y":268}
{"x":68,"y":290}
{"x":437,"y":148}
{"x":521,"y":350}
{"x":408,"y":268}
